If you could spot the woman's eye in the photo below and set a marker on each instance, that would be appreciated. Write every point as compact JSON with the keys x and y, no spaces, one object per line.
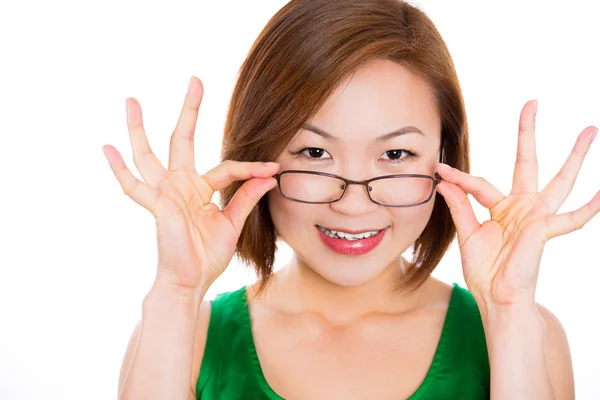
{"x":312,"y":153}
{"x":396,"y":155}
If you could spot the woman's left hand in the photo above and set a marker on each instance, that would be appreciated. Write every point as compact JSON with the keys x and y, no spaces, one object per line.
{"x":501,"y":257}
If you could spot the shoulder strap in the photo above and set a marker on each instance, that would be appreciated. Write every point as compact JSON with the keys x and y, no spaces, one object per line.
{"x":226,"y":326}
{"x":460,"y":368}
{"x":470,"y":338}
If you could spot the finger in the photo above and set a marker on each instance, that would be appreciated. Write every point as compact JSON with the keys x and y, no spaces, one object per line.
{"x":462,"y":212}
{"x":230,"y":171}
{"x":525,"y":178}
{"x":557,"y":190}
{"x":137,"y":190}
{"x":144,"y":159}
{"x":562,"y":224}
{"x":181,"y":153}
{"x":245,"y":199}
{"x":484,"y":192}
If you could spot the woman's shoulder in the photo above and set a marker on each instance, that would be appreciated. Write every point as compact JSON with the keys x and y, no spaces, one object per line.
{"x":462,"y":317}
{"x":452,"y":294}
{"x":228,"y":297}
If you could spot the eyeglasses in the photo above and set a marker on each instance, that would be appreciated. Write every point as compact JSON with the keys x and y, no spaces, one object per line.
{"x":399,"y":190}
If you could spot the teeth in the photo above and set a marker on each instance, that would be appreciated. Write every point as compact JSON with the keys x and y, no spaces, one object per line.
{"x":348,"y":236}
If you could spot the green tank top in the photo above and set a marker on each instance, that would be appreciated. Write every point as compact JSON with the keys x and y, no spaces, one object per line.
{"x":231,"y":370}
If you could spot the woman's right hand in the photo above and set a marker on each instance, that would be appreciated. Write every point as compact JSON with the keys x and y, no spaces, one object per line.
{"x":196,"y":240}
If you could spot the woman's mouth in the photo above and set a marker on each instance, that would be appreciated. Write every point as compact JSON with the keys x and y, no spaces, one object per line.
{"x":351,"y":243}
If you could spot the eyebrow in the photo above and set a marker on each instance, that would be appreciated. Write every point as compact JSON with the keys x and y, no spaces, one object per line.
{"x":398,"y":132}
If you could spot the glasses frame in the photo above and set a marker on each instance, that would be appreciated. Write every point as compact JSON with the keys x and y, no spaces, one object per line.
{"x":436,"y":178}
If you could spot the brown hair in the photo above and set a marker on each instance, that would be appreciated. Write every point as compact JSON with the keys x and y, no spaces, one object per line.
{"x":306,"y":50}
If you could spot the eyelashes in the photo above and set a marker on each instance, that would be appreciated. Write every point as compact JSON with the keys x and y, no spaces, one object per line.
{"x":314,"y":154}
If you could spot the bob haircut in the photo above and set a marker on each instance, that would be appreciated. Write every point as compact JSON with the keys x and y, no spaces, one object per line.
{"x":307,"y":50}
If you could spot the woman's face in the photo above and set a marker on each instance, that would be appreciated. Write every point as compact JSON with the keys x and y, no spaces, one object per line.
{"x":380,"y":98}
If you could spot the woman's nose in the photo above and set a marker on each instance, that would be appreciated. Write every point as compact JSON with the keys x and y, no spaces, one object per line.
{"x":355,"y":201}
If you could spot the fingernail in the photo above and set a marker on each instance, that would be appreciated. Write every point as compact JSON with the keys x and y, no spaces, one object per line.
{"x":104,"y":151}
{"x":190,"y":84}
{"x":270,"y":164}
{"x":445,"y":167}
{"x":536,"y":107}
{"x":594,"y":135}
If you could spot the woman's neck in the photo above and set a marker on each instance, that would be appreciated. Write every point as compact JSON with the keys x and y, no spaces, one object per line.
{"x":298,"y":289}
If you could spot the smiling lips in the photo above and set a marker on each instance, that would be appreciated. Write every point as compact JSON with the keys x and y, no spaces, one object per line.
{"x":351,"y":242}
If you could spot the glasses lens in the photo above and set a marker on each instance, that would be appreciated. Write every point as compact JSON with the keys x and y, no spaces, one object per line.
{"x":311,"y":188}
{"x":400,"y":191}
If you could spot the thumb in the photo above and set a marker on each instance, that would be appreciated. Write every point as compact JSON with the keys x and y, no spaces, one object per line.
{"x":461,"y":210}
{"x":245,"y":198}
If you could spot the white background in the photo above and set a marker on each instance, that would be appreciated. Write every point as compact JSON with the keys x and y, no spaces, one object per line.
{"x":77,"y":256}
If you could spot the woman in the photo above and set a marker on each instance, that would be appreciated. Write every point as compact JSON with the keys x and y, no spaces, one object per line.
{"x":358,"y":105}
